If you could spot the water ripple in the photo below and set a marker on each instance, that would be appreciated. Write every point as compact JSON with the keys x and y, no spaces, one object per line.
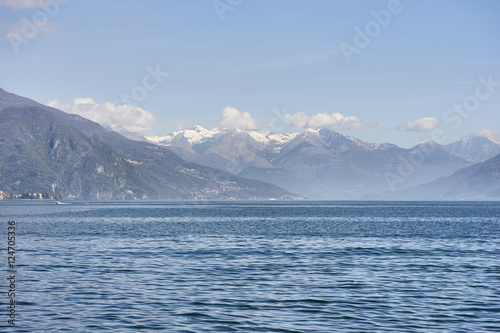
{"x":233,"y":267}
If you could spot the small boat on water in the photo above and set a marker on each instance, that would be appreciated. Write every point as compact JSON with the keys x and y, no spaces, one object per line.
{"x":60,"y":203}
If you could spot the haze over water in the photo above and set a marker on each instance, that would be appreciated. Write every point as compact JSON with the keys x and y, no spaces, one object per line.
{"x":256,"y":266}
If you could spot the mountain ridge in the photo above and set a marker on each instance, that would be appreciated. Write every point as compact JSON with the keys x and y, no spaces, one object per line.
{"x":46,"y":150}
{"x":320,"y":163}
{"x":480,"y":181}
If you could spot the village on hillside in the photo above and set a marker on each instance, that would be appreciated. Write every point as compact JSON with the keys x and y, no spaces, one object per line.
{"x":26,"y":196}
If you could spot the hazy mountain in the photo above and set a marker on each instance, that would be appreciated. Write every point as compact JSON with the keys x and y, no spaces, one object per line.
{"x":126,"y":133}
{"x":480,"y":181}
{"x":318,"y":163}
{"x":11,"y":100}
{"x":474,"y":148}
{"x":46,"y":150}
{"x":231,"y":150}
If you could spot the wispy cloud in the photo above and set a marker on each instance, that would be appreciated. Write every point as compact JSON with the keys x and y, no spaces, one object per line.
{"x":25,"y":29}
{"x":422,"y":125}
{"x":20,"y":4}
{"x":335,"y":121}
{"x":129,"y":117}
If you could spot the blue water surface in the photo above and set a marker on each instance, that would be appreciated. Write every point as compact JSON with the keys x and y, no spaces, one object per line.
{"x":254,"y":266}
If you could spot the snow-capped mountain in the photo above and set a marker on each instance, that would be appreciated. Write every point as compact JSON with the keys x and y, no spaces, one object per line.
{"x":317,"y":163}
{"x":46,"y":150}
{"x":474,"y":148}
{"x":198,"y":135}
{"x":194,"y":135}
{"x":229,"y":150}
{"x":126,"y":133}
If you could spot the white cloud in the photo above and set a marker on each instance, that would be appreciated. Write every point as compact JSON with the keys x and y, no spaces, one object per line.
{"x":335,"y":121}
{"x":493,"y":135}
{"x":233,"y":119}
{"x":129,"y":117}
{"x":422,"y":125}
{"x":20,"y":4}
{"x":298,"y":120}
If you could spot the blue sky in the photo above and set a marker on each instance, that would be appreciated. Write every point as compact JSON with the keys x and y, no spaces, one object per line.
{"x":278,"y":64}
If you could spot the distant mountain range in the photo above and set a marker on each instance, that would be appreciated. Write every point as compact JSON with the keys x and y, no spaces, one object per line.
{"x":474,"y":148}
{"x":480,"y":181}
{"x":45,"y":150}
{"x":323,"y":164}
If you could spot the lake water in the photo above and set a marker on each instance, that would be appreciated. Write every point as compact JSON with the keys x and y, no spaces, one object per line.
{"x":254,"y":266}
